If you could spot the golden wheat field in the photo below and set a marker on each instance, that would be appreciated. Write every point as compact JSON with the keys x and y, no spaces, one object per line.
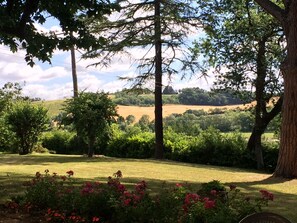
{"x":168,"y":109}
{"x":55,"y":107}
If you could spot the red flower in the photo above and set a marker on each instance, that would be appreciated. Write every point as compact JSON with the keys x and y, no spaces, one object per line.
{"x":213,"y":192}
{"x":95,"y":219}
{"x":208,"y":204}
{"x":127,"y":202}
{"x":266,"y":195}
{"x":191,"y":198}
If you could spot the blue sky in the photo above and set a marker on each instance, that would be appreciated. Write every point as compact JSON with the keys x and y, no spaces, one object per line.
{"x":51,"y":82}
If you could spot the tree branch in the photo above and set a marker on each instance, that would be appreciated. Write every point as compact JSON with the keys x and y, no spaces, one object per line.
{"x":272,"y":9}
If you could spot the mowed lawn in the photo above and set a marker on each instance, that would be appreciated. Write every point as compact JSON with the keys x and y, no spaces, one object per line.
{"x":15,"y":169}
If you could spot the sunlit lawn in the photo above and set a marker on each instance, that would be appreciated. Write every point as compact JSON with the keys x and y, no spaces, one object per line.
{"x":15,"y":169}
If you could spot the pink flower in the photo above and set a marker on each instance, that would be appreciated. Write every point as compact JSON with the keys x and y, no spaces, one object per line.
{"x":127,"y":202}
{"x":213,"y":192}
{"x":95,"y":219}
{"x":191,"y":198}
{"x":209,"y":204}
{"x":178,"y":185}
{"x":267,"y":195}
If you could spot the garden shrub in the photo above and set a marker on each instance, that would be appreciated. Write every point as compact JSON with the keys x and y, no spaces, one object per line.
{"x":57,"y":140}
{"x":63,"y":200}
{"x":27,"y":121}
{"x":133,"y":146}
{"x":270,"y":155}
{"x":63,"y":142}
{"x":210,"y":147}
{"x":8,"y":142}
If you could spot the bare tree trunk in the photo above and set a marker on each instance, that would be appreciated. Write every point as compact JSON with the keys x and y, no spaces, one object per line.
{"x":158,"y":84}
{"x":91,"y":145}
{"x":74,"y":74}
{"x":287,"y":160}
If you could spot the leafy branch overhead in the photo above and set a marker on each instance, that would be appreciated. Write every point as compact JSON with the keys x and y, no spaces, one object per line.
{"x":19,"y":22}
{"x":133,"y":27}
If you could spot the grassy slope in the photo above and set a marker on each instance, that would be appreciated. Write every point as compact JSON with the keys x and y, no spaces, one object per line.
{"x":14,"y":169}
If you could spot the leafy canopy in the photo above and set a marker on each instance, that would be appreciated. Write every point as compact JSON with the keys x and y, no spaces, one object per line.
{"x":19,"y":22}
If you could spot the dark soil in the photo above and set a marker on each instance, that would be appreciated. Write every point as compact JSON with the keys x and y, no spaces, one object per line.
{"x":8,"y":215}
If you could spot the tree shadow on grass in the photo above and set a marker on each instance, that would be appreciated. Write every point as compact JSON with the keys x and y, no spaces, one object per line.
{"x":16,"y":159}
{"x":284,"y":203}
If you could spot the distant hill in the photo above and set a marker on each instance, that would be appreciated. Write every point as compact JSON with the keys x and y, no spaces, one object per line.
{"x":55,"y":107}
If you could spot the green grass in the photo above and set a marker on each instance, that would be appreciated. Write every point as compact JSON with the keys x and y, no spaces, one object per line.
{"x":15,"y":169}
{"x":265,"y":136}
{"x":54,"y":107}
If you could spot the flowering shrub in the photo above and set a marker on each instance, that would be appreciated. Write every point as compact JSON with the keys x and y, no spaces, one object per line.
{"x":64,"y":201}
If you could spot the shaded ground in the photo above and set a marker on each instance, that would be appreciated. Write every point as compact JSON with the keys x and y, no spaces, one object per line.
{"x":8,"y":215}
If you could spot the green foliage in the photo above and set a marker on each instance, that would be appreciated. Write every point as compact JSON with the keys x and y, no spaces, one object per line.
{"x":62,"y":142}
{"x":91,"y":115}
{"x":270,"y":154}
{"x":132,"y":98}
{"x":193,"y":122}
{"x":144,"y":123}
{"x":187,"y":96}
{"x":8,"y":94}
{"x":27,"y":122}
{"x":18,"y":31}
{"x":209,"y":147}
{"x":139,"y":145}
{"x":62,"y":201}
{"x":197,"y":96}
{"x":8,"y":141}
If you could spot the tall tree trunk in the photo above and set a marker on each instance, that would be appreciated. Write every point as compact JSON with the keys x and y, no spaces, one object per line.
{"x":260,"y":110}
{"x":287,"y":160}
{"x":91,"y":145}
{"x":74,"y":74}
{"x":266,"y":119}
{"x":158,"y":84}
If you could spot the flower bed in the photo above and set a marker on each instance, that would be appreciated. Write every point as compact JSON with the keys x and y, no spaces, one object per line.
{"x":62,"y":200}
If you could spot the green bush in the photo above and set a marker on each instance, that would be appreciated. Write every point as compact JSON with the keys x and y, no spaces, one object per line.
{"x":57,"y":140}
{"x":8,"y":142}
{"x":63,"y":142}
{"x":134,"y":146}
{"x":27,"y":121}
{"x":211,"y":147}
{"x":270,"y":155}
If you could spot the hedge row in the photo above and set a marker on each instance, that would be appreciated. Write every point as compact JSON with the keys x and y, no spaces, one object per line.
{"x":209,"y":147}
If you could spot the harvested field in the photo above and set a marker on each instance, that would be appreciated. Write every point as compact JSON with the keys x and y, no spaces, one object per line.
{"x":169,"y":109}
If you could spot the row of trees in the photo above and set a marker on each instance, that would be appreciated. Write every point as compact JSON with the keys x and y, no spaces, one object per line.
{"x":186,"y":96}
{"x":166,"y":24}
